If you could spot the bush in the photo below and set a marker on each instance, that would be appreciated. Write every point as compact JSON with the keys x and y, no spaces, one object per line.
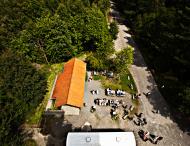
{"x":94,"y":63}
{"x":113,"y":30}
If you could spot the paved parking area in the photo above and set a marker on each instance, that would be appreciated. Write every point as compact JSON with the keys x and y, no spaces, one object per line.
{"x":101,"y":118}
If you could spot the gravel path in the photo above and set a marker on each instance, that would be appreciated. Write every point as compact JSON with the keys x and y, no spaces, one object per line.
{"x":120,"y":43}
{"x":162,"y":123}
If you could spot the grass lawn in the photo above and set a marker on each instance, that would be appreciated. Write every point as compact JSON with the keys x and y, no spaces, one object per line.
{"x":126,"y":80}
{"x":53,"y":70}
{"x":98,"y":77}
{"x":123,"y":81}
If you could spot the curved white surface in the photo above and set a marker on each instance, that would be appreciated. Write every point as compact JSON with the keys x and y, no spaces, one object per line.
{"x":101,"y":139}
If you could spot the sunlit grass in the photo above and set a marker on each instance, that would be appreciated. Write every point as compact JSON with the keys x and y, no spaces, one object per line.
{"x":123,"y":81}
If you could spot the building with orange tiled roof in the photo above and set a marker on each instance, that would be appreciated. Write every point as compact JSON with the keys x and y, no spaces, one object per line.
{"x":70,"y":85}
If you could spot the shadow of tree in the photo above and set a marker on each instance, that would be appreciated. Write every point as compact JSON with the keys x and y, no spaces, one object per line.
{"x":155,"y":98}
{"x":161,"y":106}
{"x":57,"y":129}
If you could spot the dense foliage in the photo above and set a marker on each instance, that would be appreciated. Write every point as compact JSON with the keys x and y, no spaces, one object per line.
{"x":59,"y":37}
{"x":54,"y":31}
{"x":114,"y":30}
{"x":162,"y":31}
{"x":22,"y":88}
{"x":14,"y":15}
{"x":123,"y":59}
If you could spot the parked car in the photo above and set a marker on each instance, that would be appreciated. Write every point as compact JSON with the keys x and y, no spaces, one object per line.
{"x":120,"y":92}
{"x":109,"y":92}
{"x":110,"y":74}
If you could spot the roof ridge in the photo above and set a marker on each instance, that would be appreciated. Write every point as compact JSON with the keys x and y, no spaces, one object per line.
{"x":71,"y":78}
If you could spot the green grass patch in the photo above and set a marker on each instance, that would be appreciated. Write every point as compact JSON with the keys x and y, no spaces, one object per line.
{"x":86,"y":77}
{"x":126,"y":80}
{"x":122,"y":81}
{"x":52,"y":71}
{"x":110,"y":84}
{"x":97,"y":77}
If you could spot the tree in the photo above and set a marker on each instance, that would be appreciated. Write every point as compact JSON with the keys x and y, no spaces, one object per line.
{"x":113,"y":30}
{"x":49,"y":40}
{"x":22,"y":88}
{"x":14,"y":16}
{"x":184,"y":100}
{"x":123,"y":59}
{"x":94,"y":63}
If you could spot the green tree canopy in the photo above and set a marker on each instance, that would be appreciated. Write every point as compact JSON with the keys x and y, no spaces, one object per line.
{"x":113,"y":30}
{"x":22,"y":88}
{"x":61,"y":36}
{"x":14,"y":16}
{"x":123,"y":59}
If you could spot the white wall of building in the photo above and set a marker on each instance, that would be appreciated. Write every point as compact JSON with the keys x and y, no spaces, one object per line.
{"x":101,"y":139}
{"x":70,"y":110}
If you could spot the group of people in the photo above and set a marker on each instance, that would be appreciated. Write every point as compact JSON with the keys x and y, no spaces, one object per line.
{"x":109,"y":92}
{"x":140,"y":120}
{"x":90,"y":79}
{"x":145,"y":135}
{"x":114,"y":114}
{"x":127,"y":112}
{"x":94,"y":92}
{"x":137,"y":96}
{"x":114,"y":103}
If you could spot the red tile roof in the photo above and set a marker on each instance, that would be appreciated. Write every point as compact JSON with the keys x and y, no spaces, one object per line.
{"x":70,"y":84}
